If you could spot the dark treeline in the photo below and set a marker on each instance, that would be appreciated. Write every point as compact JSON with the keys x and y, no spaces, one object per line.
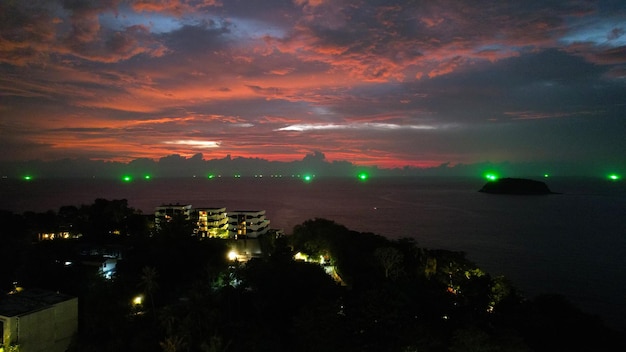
{"x":356,"y":292}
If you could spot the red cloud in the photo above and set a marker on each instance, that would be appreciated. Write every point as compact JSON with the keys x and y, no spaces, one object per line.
{"x":175,"y":7}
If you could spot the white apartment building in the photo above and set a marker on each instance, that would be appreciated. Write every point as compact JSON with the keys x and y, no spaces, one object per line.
{"x":247,"y":224}
{"x":216,"y":222}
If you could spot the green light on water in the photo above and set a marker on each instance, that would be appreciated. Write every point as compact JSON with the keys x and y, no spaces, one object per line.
{"x":27,"y":178}
{"x":363,"y":176}
{"x":127,"y":178}
{"x":546,"y":175}
{"x":147,"y":177}
{"x":308,"y":177}
{"x":491,"y":176}
{"x":614,"y":177}
{"x":211,"y":176}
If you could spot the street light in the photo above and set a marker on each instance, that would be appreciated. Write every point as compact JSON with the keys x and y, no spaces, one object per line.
{"x":138,"y":300}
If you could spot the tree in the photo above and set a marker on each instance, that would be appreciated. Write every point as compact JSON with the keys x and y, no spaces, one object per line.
{"x":390,"y":258}
{"x":431,"y":267}
{"x":149,"y":284}
{"x":215,"y":344}
{"x":473,"y":340}
{"x":178,"y":227}
{"x":172,"y":344}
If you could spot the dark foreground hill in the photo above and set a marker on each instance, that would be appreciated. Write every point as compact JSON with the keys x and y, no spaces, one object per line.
{"x":322,"y":288}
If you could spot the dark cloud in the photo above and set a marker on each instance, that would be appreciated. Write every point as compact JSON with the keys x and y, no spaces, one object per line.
{"x":202,"y":38}
{"x":610,"y":56}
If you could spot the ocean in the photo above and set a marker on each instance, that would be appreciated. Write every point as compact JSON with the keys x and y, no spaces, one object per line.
{"x":572,"y":243}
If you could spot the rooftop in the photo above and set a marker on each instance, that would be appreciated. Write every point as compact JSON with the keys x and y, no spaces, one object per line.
{"x":30,"y":300}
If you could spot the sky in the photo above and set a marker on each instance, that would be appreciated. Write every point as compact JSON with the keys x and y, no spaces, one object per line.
{"x":376,"y":83}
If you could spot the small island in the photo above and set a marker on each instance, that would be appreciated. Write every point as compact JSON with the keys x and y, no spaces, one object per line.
{"x":519,"y":186}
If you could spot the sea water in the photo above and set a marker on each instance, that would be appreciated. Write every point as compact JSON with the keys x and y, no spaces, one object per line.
{"x":572,"y":243}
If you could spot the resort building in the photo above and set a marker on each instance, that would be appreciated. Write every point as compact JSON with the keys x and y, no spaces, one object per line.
{"x":47,"y":236}
{"x":63,"y":232}
{"x":37,"y":320}
{"x":211,"y":222}
{"x":247,"y":224}
{"x":165,"y":213}
{"x":216,"y":222}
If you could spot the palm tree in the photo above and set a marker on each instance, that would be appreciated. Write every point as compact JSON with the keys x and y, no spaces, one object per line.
{"x":169,"y":319}
{"x":172,"y":344}
{"x":215,"y":344}
{"x":149,"y":284}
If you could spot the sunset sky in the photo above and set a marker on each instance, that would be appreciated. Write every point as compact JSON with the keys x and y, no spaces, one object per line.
{"x":386,"y":83}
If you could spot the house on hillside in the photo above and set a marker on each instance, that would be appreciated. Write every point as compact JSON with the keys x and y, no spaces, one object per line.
{"x":37,"y":321}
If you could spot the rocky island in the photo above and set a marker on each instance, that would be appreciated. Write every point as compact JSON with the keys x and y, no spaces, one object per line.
{"x":516,"y":186}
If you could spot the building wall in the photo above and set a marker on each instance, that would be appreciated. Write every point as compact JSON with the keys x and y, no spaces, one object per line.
{"x":66,"y":323}
{"x":211,"y":222}
{"x":46,"y":330}
{"x":8,"y":329}
{"x":34,"y":331}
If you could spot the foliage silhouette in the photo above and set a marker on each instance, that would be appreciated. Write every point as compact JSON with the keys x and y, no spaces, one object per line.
{"x":397,"y":296}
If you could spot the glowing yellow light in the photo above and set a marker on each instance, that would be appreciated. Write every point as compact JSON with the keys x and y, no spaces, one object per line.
{"x":300,"y":256}
{"x":232,"y":255}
